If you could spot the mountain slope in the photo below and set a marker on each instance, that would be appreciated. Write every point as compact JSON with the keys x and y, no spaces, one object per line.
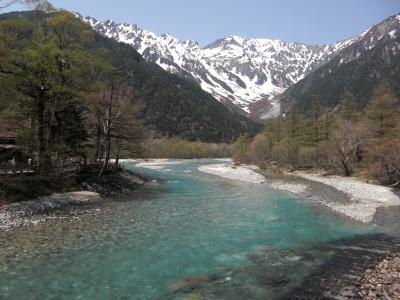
{"x":359,"y":69}
{"x":240,"y":72}
{"x":172,"y":105}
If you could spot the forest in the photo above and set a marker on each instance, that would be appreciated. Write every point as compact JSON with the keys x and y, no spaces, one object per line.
{"x":341,"y":140}
{"x":66,"y":103}
{"x":74,"y":97}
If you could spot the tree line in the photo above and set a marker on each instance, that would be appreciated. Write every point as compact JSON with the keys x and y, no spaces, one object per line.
{"x":340,"y":140}
{"x":183,"y":149}
{"x":62,"y":96}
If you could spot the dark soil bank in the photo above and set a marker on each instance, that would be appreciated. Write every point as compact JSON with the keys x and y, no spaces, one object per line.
{"x":114,"y":181}
{"x":27,"y":187}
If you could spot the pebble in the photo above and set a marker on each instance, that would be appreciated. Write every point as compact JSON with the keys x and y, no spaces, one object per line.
{"x":383,"y":280}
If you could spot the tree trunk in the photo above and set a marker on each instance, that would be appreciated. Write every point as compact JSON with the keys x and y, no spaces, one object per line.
{"x":107,"y":134}
{"x":346,"y":169}
{"x":42,"y":157}
{"x":118,"y":142}
{"x":98,"y":143}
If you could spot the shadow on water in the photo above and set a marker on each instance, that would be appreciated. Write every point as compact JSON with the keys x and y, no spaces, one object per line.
{"x":329,"y":271}
{"x":188,"y":235}
{"x":340,"y":275}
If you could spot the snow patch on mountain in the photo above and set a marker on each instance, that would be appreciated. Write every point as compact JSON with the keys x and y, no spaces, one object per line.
{"x":235,"y":70}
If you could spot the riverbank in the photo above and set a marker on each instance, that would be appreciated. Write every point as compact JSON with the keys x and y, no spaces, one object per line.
{"x":40,"y":210}
{"x":193,"y":235}
{"x":364,"y":198}
{"x":382,"y":281}
{"x":24,"y":188}
{"x":229,"y":171}
{"x":85,"y":190}
{"x":347,"y":196}
{"x":153,"y":164}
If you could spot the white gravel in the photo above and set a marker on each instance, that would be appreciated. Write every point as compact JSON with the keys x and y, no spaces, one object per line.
{"x":365,"y":197}
{"x":246,"y":173}
{"x":295,"y":188}
{"x":231,"y":172}
{"x":153,"y":164}
{"x":34,"y":212}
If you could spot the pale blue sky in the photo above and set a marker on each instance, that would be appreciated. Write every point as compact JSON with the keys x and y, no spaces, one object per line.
{"x":306,"y":21}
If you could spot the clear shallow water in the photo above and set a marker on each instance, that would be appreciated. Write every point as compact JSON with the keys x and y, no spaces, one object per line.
{"x":193,"y":235}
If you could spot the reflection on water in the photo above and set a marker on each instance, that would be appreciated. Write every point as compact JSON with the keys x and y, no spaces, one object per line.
{"x":189,"y":237}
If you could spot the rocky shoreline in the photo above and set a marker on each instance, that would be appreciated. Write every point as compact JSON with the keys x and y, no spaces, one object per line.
{"x":60,"y":205}
{"x":356,"y":268}
{"x":114,"y":181}
{"x":346,"y":196}
{"x":345,"y":275}
{"x":363,"y":198}
{"x":40,"y":210}
{"x":382,"y":281}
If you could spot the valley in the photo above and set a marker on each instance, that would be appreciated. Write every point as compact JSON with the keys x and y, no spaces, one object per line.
{"x":249,"y":74}
{"x":137,"y":165}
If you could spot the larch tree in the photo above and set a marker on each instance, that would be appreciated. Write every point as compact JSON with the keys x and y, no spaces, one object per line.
{"x":382,"y":119}
{"x":240,"y":145}
{"x":348,"y":110}
{"x":121,"y":131}
{"x":383,"y":112}
{"x":128,"y":132}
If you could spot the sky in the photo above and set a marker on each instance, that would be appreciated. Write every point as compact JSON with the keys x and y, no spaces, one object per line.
{"x":304,"y":21}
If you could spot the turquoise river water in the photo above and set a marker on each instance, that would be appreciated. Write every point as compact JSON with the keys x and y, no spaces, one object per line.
{"x":191,"y":236}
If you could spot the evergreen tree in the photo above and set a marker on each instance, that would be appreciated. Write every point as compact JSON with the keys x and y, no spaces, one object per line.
{"x":294,"y":136}
{"x":48,"y":71}
{"x":240,"y":153}
{"x":383,"y":112}
{"x":128,"y":133}
{"x":348,"y":109}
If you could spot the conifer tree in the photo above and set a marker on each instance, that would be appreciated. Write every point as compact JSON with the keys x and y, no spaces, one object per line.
{"x":383,"y":112}
{"x":348,"y":109}
{"x":46,"y":63}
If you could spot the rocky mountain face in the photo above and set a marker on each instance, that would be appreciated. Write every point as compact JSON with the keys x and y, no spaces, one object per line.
{"x":372,"y":60}
{"x":243,"y":73}
{"x":170,"y":106}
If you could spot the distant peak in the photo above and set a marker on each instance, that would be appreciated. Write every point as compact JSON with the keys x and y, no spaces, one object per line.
{"x":235,"y":39}
{"x":109,"y":21}
{"x":226,"y":42}
{"x":166,"y":35}
{"x":88,"y":19}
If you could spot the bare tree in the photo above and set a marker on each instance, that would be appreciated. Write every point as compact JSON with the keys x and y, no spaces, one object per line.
{"x":127,"y":130}
{"x":110,"y":101}
{"x":386,"y":162}
{"x":113,"y":120}
{"x":260,"y":150}
{"x":345,"y":145}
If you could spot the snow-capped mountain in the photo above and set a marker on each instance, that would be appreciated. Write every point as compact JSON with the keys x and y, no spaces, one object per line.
{"x":245,"y":73}
{"x":359,"y":69}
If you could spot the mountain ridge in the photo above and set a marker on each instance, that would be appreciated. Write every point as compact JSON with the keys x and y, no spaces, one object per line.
{"x":240,"y":72}
{"x":373,"y":60}
{"x":171,"y":106}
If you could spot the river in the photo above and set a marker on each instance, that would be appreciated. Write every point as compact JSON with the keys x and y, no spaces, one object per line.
{"x":189,"y":236}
